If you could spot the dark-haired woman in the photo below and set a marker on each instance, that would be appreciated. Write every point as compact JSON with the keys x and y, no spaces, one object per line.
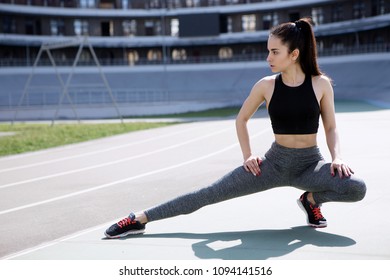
{"x":295,"y":98}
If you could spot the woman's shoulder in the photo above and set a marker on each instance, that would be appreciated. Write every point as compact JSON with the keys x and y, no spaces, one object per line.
{"x":265,"y":86}
{"x":322,"y":85}
{"x":270,"y":78}
{"x":266,"y":82}
{"x":322,"y":80}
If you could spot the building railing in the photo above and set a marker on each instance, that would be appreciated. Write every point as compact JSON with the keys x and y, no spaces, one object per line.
{"x":133,"y":4}
{"x":361,"y":49}
{"x":46,"y":98}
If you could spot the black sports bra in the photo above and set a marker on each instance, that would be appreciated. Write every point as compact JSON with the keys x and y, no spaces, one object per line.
{"x":294,"y":110}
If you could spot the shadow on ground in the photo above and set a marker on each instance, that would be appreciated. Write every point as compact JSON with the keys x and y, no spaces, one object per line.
{"x":257,"y":244}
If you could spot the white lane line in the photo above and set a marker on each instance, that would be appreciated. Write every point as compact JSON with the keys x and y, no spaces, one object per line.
{"x":127,"y":179}
{"x":112,"y":162}
{"x":66,"y":147}
{"x":56,"y":241}
{"x":91,"y":153}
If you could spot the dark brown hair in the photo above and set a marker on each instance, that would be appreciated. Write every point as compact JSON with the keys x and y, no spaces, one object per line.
{"x":299,"y":35}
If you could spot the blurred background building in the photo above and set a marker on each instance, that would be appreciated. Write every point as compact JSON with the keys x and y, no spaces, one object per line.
{"x":169,"y":56}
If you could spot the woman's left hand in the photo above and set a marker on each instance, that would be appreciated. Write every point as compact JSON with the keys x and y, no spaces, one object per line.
{"x":342,"y":168}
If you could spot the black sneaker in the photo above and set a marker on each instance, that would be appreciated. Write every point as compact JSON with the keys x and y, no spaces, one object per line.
{"x":313,"y":212}
{"x":125,"y":227}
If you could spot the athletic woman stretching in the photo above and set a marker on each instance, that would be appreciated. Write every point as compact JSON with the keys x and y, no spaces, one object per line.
{"x":295,"y":98}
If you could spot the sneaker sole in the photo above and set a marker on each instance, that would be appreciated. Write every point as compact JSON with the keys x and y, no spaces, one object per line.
{"x":133,"y":232}
{"x":307,"y":216}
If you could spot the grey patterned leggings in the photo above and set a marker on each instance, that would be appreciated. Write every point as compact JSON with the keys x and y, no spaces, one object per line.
{"x":304,"y":169}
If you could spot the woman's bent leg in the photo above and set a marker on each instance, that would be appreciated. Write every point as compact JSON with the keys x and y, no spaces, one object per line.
{"x":326,"y":188}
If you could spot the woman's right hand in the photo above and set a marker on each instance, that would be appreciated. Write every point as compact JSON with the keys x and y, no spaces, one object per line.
{"x":252,"y":164}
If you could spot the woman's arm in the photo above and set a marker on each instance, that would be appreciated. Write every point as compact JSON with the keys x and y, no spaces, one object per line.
{"x":329,"y":121}
{"x":249,"y":107}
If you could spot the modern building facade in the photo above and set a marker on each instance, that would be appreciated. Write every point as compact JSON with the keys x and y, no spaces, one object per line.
{"x":172,"y":56}
{"x":136,"y":32}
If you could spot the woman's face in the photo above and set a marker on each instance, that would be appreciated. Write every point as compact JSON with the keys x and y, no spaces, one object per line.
{"x":279,"y":59}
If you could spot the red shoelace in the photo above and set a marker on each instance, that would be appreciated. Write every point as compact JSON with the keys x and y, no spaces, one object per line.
{"x":125,"y":222}
{"x":317,"y":212}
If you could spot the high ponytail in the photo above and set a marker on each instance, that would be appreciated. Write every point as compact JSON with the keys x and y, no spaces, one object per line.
{"x":299,"y":35}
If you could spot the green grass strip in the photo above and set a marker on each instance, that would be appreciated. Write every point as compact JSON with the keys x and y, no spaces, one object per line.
{"x":33,"y":137}
{"x":210,"y":113}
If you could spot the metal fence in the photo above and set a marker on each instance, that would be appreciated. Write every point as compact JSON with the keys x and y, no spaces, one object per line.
{"x":361,"y":49}
{"x":46,"y":97}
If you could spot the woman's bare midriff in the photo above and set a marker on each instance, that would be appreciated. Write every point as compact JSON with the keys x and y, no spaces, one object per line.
{"x":296,"y":141}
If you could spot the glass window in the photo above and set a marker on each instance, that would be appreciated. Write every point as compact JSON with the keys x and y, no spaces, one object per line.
{"x":154,"y":4}
{"x":230,"y":2}
{"x":174,"y":27}
{"x":358,"y":10}
{"x":225,"y":53}
{"x":229,"y":24}
{"x":57,"y":27}
{"x":379,"y":7}
{"x":267,"y":21}
{"x":129,"y":27}
{"x":9,"y":25}
{"x":157,"y":27}
{"x":87,"y":3}
{"x":85,"y":56}
{"x":171,"y":4}
{"x":192,"y":3}
{"x":29,"y":26}
{"x":80,"y":27}
{"x":132,"y":57}
{"x":337,"y":13}
{"x":179,"y":54}
{"x":248,"y":23}
{"x":275,"y":19}
{"x":107,"y":28}
{"x":154,"y":55}
{"x":214,"y":2}
{"x":149,"y":28}
{"x":318,"y":15}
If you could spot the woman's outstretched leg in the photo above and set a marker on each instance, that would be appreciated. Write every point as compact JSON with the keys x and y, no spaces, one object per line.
{"x":234,"y":184}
